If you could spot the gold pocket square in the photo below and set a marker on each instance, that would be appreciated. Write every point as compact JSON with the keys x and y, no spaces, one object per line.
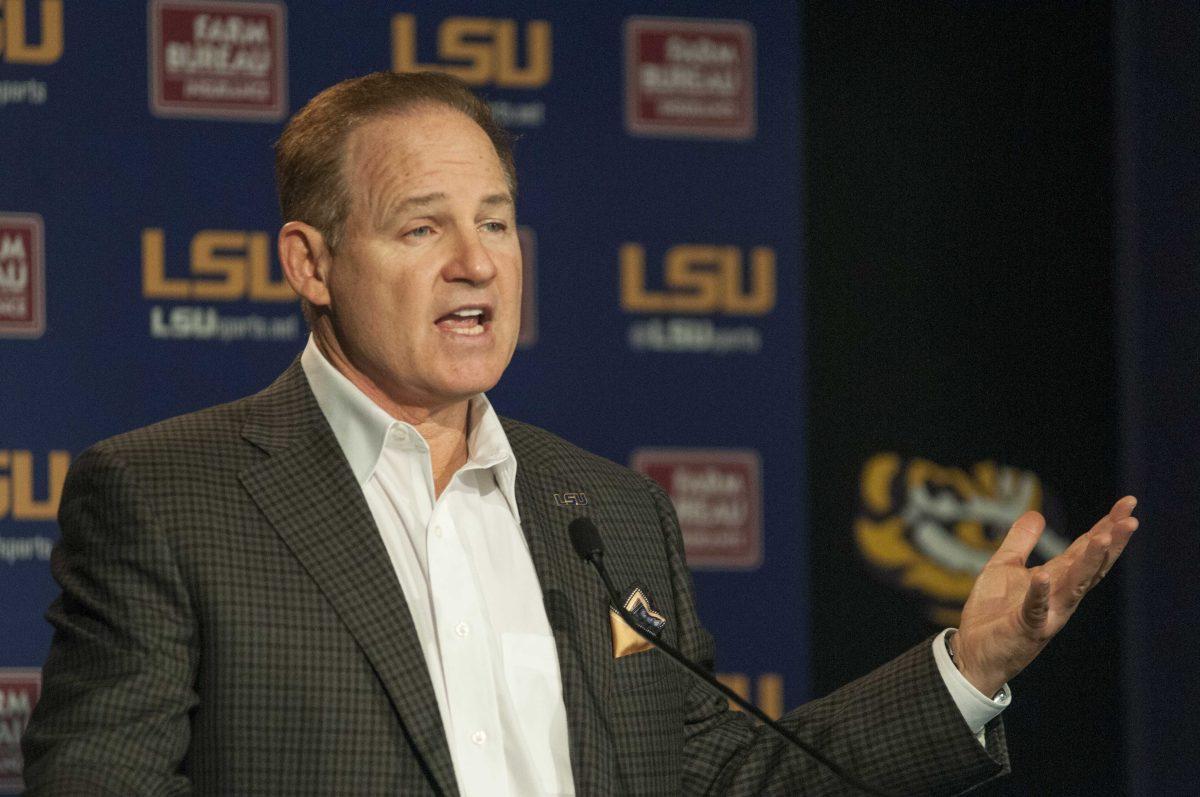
{"x":625,"y":640}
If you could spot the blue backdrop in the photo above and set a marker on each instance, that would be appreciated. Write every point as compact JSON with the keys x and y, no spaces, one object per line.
{"x":136,"y":145}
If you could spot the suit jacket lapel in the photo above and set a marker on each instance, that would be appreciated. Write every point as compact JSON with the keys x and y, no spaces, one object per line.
{"x":309,"y":494}
{"x":578,"y":611}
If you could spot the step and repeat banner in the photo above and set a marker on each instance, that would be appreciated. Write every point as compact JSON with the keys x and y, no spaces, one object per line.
{"x":658,"y":157}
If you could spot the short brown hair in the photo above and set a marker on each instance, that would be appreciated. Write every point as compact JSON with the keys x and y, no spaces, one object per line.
{"x":309,"y":154}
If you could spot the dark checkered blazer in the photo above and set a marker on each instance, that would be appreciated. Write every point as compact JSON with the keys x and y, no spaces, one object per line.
{"x":230,"y":623}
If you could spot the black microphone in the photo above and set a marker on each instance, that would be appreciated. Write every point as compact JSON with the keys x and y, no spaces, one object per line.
{"x":585,"y":538}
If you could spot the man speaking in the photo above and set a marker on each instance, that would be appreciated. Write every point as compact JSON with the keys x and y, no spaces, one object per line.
{"x":358,"y":582}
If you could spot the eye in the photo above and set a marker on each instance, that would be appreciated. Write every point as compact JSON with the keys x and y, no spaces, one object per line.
{"x":424,"y":231}
{"x":494,"y":226}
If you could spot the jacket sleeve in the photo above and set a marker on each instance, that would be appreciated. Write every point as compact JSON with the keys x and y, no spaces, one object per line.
{"x":896,"y":729}
{"x":119,"y":680}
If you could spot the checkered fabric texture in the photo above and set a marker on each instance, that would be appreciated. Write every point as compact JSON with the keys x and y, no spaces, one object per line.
{"x":230,"y":624}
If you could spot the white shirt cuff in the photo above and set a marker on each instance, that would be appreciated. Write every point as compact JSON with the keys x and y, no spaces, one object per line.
{"x":976,"y":708}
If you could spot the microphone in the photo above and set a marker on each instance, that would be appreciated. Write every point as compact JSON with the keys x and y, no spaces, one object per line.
{"x":585,"y":538}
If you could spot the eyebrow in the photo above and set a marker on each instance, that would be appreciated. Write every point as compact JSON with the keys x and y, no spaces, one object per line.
{"x":425,"y":200}
{"x":418,"y":201}
{"x":497,"y":199}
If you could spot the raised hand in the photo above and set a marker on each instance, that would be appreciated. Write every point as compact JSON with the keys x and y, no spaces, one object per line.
{"x":1014,"y":610}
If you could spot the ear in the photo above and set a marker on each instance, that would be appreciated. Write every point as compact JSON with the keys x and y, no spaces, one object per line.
{"x":305,"y":260}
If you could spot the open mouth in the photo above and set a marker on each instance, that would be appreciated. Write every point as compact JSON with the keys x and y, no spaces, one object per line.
{"x":468,"y":321}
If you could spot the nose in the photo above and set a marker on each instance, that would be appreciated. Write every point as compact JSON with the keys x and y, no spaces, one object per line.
{"x":469,"y":260}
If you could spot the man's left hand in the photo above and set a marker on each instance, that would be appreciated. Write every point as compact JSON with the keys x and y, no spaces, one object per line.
{"x":1013,"y":610}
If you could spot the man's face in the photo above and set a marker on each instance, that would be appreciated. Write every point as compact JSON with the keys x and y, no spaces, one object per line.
{"x":425,"y":287}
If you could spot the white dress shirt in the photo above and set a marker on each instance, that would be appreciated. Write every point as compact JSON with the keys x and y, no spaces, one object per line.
{"x":977,"y":708}
{"x":469,"y":581}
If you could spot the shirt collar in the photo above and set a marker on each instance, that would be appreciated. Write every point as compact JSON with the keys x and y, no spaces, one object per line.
{"x":361,"y":426}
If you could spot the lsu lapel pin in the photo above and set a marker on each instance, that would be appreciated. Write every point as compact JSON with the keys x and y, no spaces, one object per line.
{"x":570,"y":499}
{"x":625,"y":640}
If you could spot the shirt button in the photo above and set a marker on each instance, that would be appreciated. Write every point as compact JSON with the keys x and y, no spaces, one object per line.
{"x":462,"y":629}
{"x":437,"y":531}
{"x":479,"y":737}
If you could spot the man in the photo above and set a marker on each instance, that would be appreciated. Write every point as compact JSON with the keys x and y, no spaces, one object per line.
{"x":357,"y":581}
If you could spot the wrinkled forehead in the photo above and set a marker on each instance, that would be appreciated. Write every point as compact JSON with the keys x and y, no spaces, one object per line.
{"x":411,"y":150}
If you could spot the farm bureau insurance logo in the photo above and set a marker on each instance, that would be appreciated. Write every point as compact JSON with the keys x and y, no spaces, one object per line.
{"x":483,"y":52}
{"x":20,"y":502}
{"x":22,"y":276}
{"x":697,"y":280}
{"x":29,"y":39}
{"x":218,"y":60}
{"x":689,"y":78}
{"x":717,"y":494}
{"x":223,"y":266}
{"x":930,"y":529}
{"x":19,"y":693}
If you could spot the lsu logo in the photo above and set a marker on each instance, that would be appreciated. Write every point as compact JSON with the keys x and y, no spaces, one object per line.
{"x":15,"y":45}
{"x":570,"y":499}
{"x":931,"y":529}
{"x":769,"y":688}
{"x":225,"y":265}
{"x":480,"y":51}
{"x":699,"y":278}
{"x":18,"y":497}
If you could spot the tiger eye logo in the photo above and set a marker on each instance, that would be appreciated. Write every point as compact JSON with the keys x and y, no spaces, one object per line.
{"x":929,"y":529}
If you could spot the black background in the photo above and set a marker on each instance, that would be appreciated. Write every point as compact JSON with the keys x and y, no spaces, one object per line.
{"x":960,"y":303}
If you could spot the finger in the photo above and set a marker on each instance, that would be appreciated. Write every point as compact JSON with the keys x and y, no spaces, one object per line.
{"x":1123,"y":526}
{"x":1111,"y":523}
{"x":1021,"y":538}
{"x":1121,"y":533}
{"x":1123,"y":508}
{"x":1119,"y":525}
{"x":1081,"y":575}
{"x":1036,"y":607}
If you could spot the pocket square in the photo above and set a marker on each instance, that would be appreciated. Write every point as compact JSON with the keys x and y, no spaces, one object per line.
{"x":625,"y":640}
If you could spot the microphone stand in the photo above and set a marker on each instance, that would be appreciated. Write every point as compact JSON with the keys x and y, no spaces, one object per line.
{"x":595,"y":557}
